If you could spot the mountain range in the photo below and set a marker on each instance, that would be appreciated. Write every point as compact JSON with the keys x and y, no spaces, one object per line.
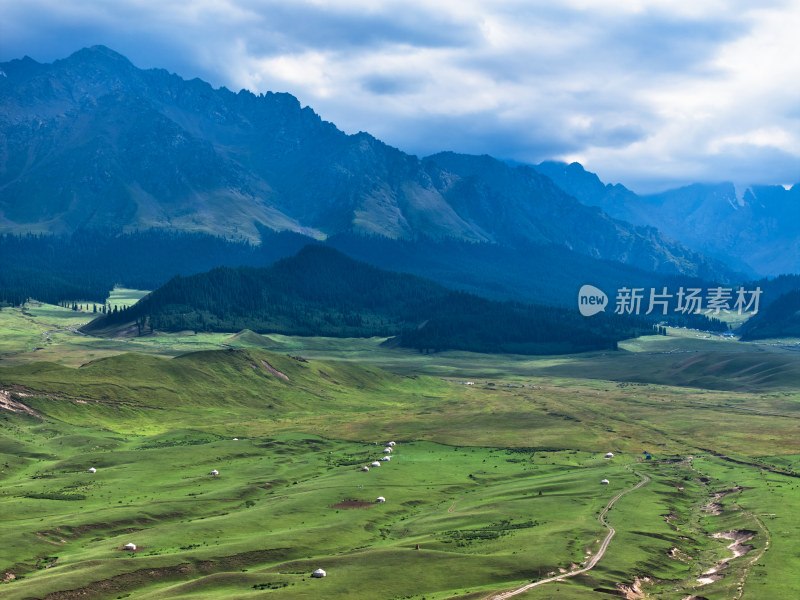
{"x":754,"y":230}
{"x":92,"y":142}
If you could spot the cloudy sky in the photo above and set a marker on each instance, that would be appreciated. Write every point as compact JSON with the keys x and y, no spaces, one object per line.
{"x":648,"y":93}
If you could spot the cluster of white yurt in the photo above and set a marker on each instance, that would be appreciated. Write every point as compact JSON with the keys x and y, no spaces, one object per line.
{"x":387,"y":456}
{"x":387,"y":451}
{"x":608,"y":456}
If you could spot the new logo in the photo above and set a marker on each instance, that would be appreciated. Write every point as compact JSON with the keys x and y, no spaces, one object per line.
{"x":591,"y":300}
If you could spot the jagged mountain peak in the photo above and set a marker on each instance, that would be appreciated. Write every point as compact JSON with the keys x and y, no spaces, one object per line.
{"x":93,"y":141}
{"x":98,"y":54}
{"x":753,"y":228}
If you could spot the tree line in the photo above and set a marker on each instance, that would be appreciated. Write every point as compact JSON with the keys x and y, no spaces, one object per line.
{"x":87,"y":264}
{"x":321,"y":292}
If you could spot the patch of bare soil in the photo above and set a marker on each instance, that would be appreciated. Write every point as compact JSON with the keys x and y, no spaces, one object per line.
{"x":44,"y":539}
{"x":678,"y":554}
{"x":721,"y":494}
{"x":739,"y":537}
{"x":712,"y":508}
{"x":738,"y":547}
{"x":8,"y":402}
{"x":668,"y":518}
{"x":632,"y":591}
{"x":274,"y":371}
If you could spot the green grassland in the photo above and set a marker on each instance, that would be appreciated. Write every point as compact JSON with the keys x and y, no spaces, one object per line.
{"x":685,"y":357}
{"x":498,"y":482}
{"x":51,"y":330}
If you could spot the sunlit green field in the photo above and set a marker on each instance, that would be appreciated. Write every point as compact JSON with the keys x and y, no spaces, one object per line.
{"x":497,"y":482}
{"x":39,"y":331}
{"x":275,"y":514}
{"x":484,"y":518}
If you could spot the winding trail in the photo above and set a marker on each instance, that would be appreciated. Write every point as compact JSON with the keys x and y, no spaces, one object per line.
{"x":595,"y":558}
{"x":757,"y":557}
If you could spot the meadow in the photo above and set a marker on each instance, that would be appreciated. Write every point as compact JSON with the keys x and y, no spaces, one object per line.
{"x":496,"y":482}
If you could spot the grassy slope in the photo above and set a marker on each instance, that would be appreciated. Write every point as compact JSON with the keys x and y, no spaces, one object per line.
{"x":132,"y":392}
{"x":48,"y":330}
{"x":475,"y":512}
{"x":163,"y":425}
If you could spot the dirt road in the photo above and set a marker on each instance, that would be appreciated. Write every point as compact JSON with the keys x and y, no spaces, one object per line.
{"x":594,"y":560}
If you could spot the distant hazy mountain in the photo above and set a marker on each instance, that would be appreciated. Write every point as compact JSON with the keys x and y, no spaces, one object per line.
{"x":757,"y":231}
{"x":93,"y":142}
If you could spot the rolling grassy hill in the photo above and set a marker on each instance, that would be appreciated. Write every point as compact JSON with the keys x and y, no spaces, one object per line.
{"x":147,"y":393}
{"x":464,"y":481}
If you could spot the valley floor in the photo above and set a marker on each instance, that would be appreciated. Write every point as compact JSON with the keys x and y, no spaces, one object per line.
{"x":495,"y":481}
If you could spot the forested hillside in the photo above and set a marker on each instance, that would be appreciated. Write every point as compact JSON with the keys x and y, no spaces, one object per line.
{"x":322,"y":292}
{"x":89,"y":263}
{"x":781,"y":319}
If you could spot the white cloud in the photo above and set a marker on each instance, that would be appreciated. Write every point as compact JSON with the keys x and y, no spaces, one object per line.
{"x":765,"y":137}
{"x":645,"y":92}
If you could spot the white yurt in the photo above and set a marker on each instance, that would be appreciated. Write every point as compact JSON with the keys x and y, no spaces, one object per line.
{"x":609,"y":455}
{"x":391,"y":444}
{"x":92,"y":470}
{"x":319,"y":573}
{"x":365,"y":468}
{"x":385,"y":458}
{"x":375,"y":464}
{"x":387,"y":450}
{"x":130,"y":547}
{"x":380,"y":499}
{"x":214,"y":473}
{"x":605,"y":482}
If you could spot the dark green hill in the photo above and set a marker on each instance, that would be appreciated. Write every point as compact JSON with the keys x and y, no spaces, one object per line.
{"x":323,"y":292}
{"x":88,"y":263}
{"x":780,"y":319}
